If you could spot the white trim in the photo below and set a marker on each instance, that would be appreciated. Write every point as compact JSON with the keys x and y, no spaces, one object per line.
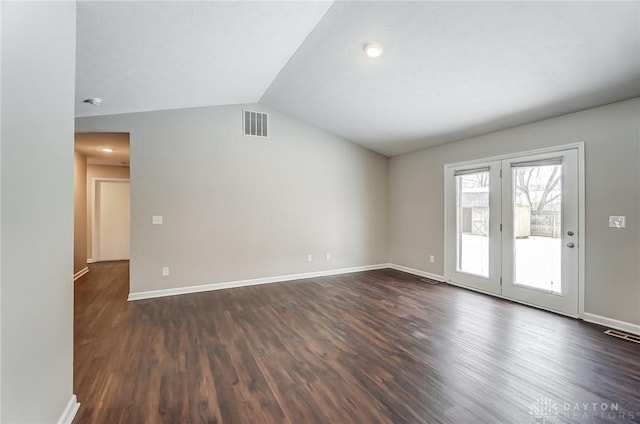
{"x":612,"y":323}
{"x":252,"y":282}
{"x":582,"y":225}
{"x":90,"y":261}
{"x":70,"y":411}
{"x":94,"y":182}
{"x":417,"y":272}
{"x":80,"y":273}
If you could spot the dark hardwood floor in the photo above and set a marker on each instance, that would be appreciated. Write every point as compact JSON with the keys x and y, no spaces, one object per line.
{"x":370,"y":347}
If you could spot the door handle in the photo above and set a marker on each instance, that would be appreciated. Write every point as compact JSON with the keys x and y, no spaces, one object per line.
{"x":570,"y":244}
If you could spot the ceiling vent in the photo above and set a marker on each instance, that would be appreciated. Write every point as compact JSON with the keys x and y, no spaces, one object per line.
{"x":255,"y":124}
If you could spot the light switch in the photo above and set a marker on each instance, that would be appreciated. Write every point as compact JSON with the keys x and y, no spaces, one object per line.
{"x":618,"y":221}
{"x":157,"y":220}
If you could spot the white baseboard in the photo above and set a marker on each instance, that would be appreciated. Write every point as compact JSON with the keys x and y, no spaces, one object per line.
{"x":94,"y":261}
{"x":70,"y":411}
{"x":251,"y":282}
{"x":80,"y":273}
{"x":417,"y":272}
{"x":596,"y":319}
{"x":612,"y":323}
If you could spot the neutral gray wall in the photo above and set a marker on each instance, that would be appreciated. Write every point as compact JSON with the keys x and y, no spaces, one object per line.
{"x":239,"y":207}
{"x":612,"y":148}
{"x":38,"y":73}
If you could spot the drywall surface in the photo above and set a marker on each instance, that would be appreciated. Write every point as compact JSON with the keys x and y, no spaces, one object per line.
{"x":236,"y":207}
{"x":612,"y":148}
{"x":38,"y":78}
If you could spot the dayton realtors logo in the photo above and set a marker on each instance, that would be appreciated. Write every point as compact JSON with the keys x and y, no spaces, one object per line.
{"x":547,"y":411}
{"x":544,"y":410}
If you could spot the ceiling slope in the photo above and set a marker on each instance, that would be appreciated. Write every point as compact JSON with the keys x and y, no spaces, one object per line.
{"x":142,"y":56}
{"x":452,"y":70}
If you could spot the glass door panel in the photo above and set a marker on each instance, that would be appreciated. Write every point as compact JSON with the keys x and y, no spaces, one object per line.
{"x":472,"y":198}
{"x":537,"y":217}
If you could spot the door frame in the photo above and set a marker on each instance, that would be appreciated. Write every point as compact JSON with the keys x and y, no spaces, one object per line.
{"x":579,"y":146}
{"x":94,"y":185}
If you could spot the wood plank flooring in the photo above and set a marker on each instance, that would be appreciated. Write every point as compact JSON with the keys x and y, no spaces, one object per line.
{"x":370,"y":347}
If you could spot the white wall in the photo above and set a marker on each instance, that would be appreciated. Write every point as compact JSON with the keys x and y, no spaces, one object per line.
{"x":612,"y":148}
{"x":239,"y":207}
{"x":38,"y":72}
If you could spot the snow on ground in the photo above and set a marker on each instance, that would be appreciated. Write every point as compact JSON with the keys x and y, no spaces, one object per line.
{"x":537,"y":260}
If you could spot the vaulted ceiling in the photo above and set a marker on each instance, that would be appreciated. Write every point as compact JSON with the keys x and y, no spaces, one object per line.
{"x":449,"y":70}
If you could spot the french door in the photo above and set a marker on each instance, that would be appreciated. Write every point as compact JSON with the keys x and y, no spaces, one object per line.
{"x":512,"y":228}
{"x":473,"y":230}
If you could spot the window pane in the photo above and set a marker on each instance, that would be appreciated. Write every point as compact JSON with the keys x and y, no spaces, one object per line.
{"x":537,"y":219}
{"x":472,"y":232}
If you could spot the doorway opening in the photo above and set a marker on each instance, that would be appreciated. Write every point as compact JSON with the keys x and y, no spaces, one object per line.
{"x":101,"y":178}
{"x":514,"y":227}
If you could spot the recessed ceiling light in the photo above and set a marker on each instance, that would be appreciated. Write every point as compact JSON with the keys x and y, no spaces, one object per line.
{"x":95,"y":101}
{"x":106,"y":149}
{"x":373,"y":49}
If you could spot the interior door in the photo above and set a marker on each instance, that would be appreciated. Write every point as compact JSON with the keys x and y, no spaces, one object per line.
{"x":473,"y":226}
{"x":540,"y":236}
{"x":112,"y":220}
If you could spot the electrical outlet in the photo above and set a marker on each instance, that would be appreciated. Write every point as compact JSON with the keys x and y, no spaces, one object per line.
{"x":432,"y":258}
{"x":309,"y":258}
{"x":328,"y":256}
{"x":165,"y":271}
{"x":156,"y":220}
